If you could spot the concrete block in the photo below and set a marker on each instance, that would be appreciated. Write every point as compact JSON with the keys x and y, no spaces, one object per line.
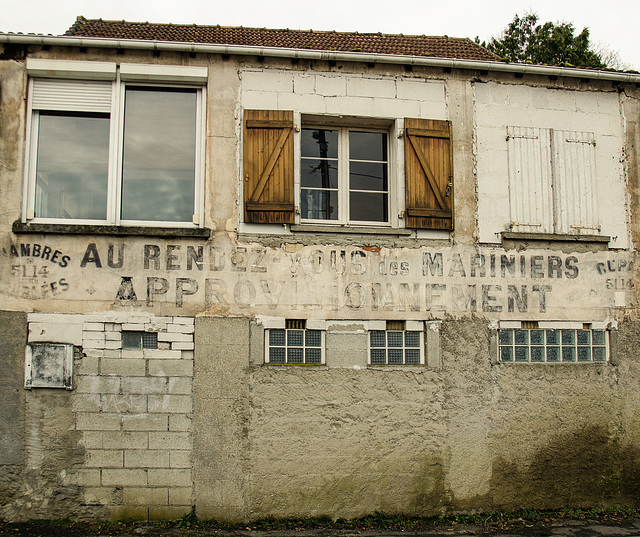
{"x":93,"y":344}
{"x":144,"y":385}
{"x":146,"y":459}
{"x":177,"y":477}
{"x":170,"y":440}
{"x":96,"y":384}
{"x":137,"y":327}
{"x":371,"y":87}
{"x":268,"y":80}
{"x":181,"y":404}
{"x":124,"y":477}
{"x":129,"y":512}
{"x":179,"y":422}
{"x":182,"y":345}
{"x":180,"y":496}
{"x":259,"y":100}
{"x":91,"y":439}
{"x":331,"y":86}
{"x":186,"y":321}
{"x":304,"y":83}
{"x":357,"y":106}
{"x":87,"y":477}
{"x":112,"y":336}
{"x":145,"y":422}
{"x":180,"y":459}
{"x":168,"y":512}
{"x":89,"y":365}
{"x":175,"y":336}
{"x":99,"y":336}
{"x":124,"y":404}
{"x":56,"y":332}
{"x":93,"y":327}
{"x":111,"y":344}
{"x":395,"y":107}
{"x":160,"y":354}
{"x":135,"y":367}
{"x":101,"y":458}
{"x":421,"y":90}
{"x":86,"y":402}
{"x":180,"y":386}
{"x":187,"y":355}
{"x":170,"y":368}
{"x":145,"y":496}
{"x":93,"y":421}
{"x":126,"y":440}
{"x":183,"y":328}
{"x":112,"y":327}
{"x":132,"y":353}
{"x":99,"y":495}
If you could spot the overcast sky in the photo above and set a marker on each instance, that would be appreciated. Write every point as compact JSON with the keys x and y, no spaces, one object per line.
{"x":615,"y":24}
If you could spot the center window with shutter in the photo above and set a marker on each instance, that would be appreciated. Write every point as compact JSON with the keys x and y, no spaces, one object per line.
{"x":343,"y":172}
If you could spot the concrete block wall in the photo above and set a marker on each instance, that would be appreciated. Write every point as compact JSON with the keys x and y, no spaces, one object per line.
{"x":132,"y":410}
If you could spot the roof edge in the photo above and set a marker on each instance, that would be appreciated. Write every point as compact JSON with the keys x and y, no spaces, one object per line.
{"x":310,"y":54}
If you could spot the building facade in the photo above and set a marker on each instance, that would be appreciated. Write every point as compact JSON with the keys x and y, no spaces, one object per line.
{"x":259,"y":273}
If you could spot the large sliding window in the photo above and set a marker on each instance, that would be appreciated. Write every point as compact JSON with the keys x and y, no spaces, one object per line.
{"x":116,"y":152}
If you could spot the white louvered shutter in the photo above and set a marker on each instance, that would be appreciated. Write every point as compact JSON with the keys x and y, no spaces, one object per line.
{"x":72,"y":95}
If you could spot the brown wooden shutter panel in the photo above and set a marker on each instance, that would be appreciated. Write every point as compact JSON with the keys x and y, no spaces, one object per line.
{"x":428,"y":174}
{"x":268,"y":167}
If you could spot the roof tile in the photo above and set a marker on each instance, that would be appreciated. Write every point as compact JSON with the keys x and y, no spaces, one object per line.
{"x":410,"y":45}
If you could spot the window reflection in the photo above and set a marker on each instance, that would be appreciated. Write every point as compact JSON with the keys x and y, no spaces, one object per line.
{"x":72,"y":166}
{"x":159,"y":156}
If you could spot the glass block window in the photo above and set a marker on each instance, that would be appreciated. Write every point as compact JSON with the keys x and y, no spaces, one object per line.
{"x":296,"y":346}
{"x":139,"y":340}
{"x":560,"y":345}
{"x":395,"y":347}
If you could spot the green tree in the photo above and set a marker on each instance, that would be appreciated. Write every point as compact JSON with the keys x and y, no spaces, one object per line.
{"x":524,"y":40}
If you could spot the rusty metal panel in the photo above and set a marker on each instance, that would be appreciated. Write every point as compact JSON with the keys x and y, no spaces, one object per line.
{"x":71,"y":95}
{"x":574,"y":182}
{"x":530,"y":184}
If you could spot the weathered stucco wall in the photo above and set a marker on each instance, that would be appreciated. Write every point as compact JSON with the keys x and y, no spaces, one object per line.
{"x":204,"y":422}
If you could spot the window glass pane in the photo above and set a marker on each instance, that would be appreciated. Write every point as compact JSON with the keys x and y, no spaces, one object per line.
{"x":313,"y":338}
{"x":506,"y":354}
{"x":584,"y":354}
{"x":367,"y":146}
{"x":368,"y":207}
{"x":395,"y":339}
{"x":568,"y":337}
{"x":537,"y":337}
{"x":395,"y":356}
{"x":568,"y":354}
{"x":295,"y":355}
{"x":378,"y":356}
{"x":131,"y":340}
{"x":584,"y":337}
{"x":412,"y":356}
{"x":599,"y":354}
{"x":505,"y":337}
{"x":598,"y":337}
{"x":319,"y":204}
{"x":522,"y":354}
{"x":295,"y":337}
{"x":412,"y":339}
{"x":276,"y":337}
{"x":158,"y":170}
{"x":553,"y":337}
{"x":368,"y":176}
{"x":521,"y":337}
{"x":72,"y":166}
{"x":377,"y":338}
{"x":276,"y":355}
{"x":313,"y":356}
{"x":321,"y":143}
{"x":537,"y":354}
{"x":553,"y":354}
{"x":317,"y":173}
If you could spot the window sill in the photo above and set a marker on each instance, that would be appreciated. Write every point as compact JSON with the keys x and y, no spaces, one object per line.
{"x":511,"y":239}
{"x":304,"y":228}
{"x":114,"y":231}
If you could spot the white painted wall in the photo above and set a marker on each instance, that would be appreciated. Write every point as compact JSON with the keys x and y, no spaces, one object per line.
{"x":502,"y":105}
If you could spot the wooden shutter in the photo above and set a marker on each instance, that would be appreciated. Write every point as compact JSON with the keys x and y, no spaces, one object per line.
{"x":268,"y":167}
{"x":428,"y":174}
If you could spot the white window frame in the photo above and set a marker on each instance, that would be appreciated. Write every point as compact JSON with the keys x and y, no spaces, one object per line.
{"x":410,"y":326}
{"x":278,"y":323}
{"x":344,"y":126}
{"x":139,"y":75}
{"x":557,"y":327}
